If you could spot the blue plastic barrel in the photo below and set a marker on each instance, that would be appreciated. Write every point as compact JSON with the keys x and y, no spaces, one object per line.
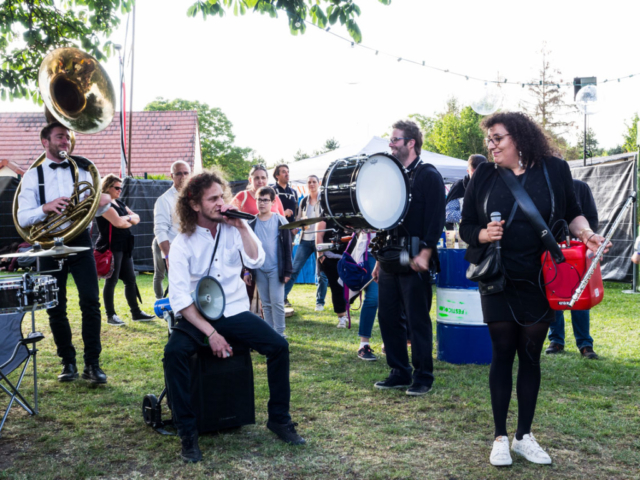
{"x":462,"y":335}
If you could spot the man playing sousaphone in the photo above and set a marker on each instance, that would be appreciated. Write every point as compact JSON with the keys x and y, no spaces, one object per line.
{"x":44,"y":190}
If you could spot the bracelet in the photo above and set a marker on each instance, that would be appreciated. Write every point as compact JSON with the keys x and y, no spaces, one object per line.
{"x":584,"y":230}
{"x":247,"y":274}
{"x":166,"y":257}
{"x":129,"y":218}
{"x":209,"y":336}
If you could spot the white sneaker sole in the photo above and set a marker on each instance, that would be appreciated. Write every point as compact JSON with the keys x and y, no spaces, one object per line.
{"x":533,"y":460}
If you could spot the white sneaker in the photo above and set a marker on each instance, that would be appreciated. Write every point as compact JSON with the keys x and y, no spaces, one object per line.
{"x":342,"y":322}
{"x":319,"y":307}
{"x":500,"y":456}
{"x":529,"y":449}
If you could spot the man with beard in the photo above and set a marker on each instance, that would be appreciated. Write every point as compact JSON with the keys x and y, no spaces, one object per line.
{"x":212,"y":244}
{"x":165,"y":224}
{"x":288,"y":196}
{"x":47,"y":189}
{"x":411,"y":287}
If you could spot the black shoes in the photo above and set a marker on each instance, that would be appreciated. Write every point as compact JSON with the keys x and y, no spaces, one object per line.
{"x":554,"y":348}
{"x":365,"y":353}
{"x":286,"y":432}
{"x":94,"y":374}
{"x":69,"y":373}
{"x":392,"y":382}
{"x":141,"y":317}
{"x":588,"y":353}
{"x":190,"y":450}
{"x":417,"y":389}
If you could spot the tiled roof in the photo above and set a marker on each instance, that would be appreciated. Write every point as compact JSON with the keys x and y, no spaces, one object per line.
{"x":158,"y":140}
{"x":11,"y":165}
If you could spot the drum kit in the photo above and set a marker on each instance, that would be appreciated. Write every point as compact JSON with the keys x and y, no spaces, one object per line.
{"x":31,"y":292}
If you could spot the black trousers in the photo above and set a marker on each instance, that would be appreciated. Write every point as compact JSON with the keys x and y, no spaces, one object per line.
{"x":413,"y":292}
{"x":246,"y":329}
{"x":82,"y":267}
{"x":122,"y":270}
{"x":330,"y":268}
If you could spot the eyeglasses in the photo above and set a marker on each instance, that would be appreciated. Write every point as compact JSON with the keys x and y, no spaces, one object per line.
{"x":180,"y":174}
{"x":264,"y":200}
{"x":395,"y":139}
{"x":118,"y":188}
{"x":496,"y":139}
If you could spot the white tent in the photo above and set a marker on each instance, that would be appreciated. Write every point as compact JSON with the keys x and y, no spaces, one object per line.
{"x":451,"y":169}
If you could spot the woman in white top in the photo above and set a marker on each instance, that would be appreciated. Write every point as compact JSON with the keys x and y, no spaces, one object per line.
{"x":309,"y":208}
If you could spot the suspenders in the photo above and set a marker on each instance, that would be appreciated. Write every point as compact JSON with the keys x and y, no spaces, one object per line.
{"x":40,"y":171}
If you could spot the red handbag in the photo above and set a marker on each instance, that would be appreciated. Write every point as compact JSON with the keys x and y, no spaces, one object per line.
{"x":104,"y":260}
{"x":562,"y":279}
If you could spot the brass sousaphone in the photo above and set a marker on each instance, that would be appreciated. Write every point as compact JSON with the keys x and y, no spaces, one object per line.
{"x":78,"y":93}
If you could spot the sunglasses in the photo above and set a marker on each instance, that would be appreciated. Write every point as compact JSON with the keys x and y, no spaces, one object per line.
{"x":118,"y":188}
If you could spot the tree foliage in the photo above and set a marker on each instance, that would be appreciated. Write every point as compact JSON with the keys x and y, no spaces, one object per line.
{"x":455,"y":132}
{"x":216,"y":137}
{"x":300,"y":155}
{"x":29,"y":29}
{"x":298,"y":11}
{"x":631,"y":136}
{"x":32,"y":28}
{"x":330,"y":145}
{"x":548,"y":106}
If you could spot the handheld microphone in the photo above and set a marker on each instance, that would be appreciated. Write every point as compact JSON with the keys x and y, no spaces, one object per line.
{"x":496,"y":217}
{"x":238,"y":214}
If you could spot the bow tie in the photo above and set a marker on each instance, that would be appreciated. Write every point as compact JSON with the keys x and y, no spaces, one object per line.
{"x":59,"y":165}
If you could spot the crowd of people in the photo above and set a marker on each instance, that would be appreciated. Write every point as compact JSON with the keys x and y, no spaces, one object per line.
{"x":193,"y":239}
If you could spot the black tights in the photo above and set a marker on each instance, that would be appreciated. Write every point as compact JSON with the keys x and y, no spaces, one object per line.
{"x":508,"y":338}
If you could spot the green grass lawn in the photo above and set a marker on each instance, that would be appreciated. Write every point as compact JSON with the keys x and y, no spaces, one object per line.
{"x":588,"y":416}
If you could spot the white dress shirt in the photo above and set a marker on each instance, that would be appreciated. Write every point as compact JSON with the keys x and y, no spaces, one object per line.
{"x":57,"y":183}
{"x":165,"y":220}
{"x":190,"y":260}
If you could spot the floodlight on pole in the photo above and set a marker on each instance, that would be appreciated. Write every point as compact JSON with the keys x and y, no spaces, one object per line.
{"x":586,"y":97}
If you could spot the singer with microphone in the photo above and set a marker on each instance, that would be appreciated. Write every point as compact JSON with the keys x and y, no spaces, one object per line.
{"x":519,"y":315}
{"x":215,"y":244}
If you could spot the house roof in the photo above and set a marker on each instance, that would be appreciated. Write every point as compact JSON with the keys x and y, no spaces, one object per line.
{"x":158,"y":140}
{"x":11,"y":165}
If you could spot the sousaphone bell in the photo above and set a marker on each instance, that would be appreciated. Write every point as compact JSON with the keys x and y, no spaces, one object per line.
{"x":78,"y":93}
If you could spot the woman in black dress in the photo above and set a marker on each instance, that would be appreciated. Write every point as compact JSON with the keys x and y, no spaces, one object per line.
{"x":518,"y":318}
{"x":116,"y":222}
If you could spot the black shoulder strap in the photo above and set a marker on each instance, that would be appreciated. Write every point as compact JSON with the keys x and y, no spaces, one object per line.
{"x":215,"y":248}
{"x":531,"y":212}
{"x":40,"y":171}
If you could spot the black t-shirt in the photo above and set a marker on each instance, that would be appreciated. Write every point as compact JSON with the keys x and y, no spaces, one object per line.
{"x":289,"y":199}
{"x":121,"y":238}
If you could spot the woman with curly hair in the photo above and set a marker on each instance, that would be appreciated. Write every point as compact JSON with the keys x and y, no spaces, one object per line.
{"x":518,"y":317}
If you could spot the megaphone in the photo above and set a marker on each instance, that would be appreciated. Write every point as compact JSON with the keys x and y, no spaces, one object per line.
{"x":208,"y":297}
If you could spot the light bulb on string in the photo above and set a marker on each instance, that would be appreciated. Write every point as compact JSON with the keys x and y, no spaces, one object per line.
{"x":486,"y":99}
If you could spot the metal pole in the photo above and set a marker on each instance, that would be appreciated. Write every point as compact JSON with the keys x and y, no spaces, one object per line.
{"x":634,"y":223}
{"x":584,"y":143}
{"x":133,"y":43}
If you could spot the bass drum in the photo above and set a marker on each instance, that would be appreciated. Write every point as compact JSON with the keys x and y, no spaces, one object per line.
{"x":370,"y":192}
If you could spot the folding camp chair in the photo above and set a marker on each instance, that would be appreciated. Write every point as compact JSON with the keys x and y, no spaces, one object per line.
{"x":17,"y":350}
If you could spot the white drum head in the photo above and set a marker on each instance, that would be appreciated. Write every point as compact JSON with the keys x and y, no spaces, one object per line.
{"x":381,"y":192}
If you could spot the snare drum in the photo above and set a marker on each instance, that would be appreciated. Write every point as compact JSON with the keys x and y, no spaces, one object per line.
{"x":18,"y":294}
{"x":370,"y":192}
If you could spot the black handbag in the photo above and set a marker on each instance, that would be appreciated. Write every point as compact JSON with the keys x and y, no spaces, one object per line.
{"x":488,"y":272}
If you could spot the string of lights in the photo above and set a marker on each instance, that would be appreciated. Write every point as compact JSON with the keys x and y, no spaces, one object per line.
{"x":400,"y":58}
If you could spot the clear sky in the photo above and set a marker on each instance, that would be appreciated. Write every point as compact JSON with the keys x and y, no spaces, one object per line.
{"x":283,"y":93}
